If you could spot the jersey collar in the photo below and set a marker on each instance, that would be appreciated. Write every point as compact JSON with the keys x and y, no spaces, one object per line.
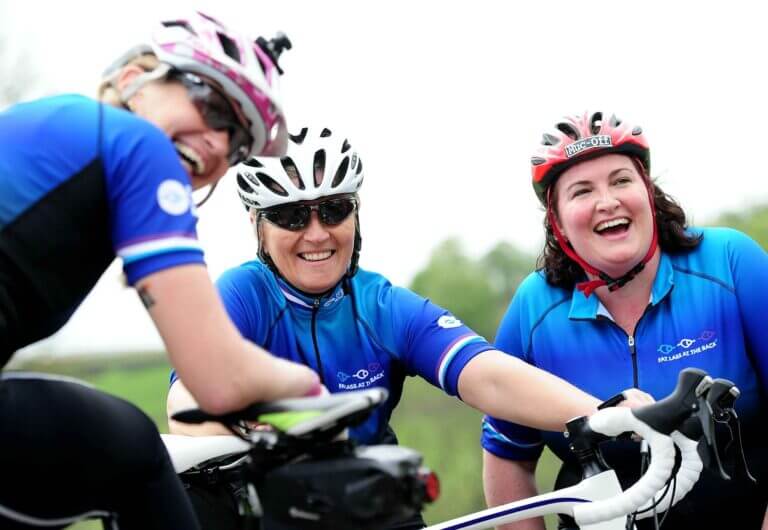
{"x":299,"y":298}
{"x":589,"y":308}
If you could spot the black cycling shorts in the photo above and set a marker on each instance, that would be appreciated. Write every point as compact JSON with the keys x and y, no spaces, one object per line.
{"x":68,"y":452}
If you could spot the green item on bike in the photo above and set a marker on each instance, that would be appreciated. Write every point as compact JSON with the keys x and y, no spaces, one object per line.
{"x":283,"y":421}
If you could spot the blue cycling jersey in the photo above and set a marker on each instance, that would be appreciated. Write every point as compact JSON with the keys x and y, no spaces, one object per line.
{"x":82,"y":182}
{"x":707,"y":310}
{"x":365,"y":333}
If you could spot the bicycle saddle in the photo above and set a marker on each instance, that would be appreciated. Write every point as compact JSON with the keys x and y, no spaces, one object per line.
{"x":187,"y":452}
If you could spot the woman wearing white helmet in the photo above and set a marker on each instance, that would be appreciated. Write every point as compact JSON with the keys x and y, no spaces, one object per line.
{"x":83,"y":181}
{"x":306,"y":301}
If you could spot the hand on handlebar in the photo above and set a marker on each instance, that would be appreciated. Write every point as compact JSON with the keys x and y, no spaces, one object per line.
{"x":634,"y":397}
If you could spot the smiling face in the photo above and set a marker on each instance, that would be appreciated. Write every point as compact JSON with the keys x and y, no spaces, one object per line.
{"x":202,"y":150}
{"x":313,"y":259}
{"x":603,"y":209}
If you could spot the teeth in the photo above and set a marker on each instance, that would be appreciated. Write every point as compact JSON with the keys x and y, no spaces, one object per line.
{"x":192,"y":159}
{"x":610,"y":224}
{"x":316,"y":256}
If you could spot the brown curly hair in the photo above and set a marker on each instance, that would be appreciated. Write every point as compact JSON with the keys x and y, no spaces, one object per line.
{"x":562,"y":271}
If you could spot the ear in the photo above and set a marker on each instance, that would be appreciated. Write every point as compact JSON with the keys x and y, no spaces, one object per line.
{"x":124,"y":79}
{"x":259,"y":230}
{"x":560,"y":226}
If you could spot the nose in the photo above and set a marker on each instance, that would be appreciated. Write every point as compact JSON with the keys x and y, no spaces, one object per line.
{"x":218,"y":142}
{"x":607,"y":201}
{"x":315,"y":232}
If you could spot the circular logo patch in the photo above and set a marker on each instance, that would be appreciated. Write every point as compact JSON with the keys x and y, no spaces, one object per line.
{"x":448,"y":322}
{"x":173,"y":197}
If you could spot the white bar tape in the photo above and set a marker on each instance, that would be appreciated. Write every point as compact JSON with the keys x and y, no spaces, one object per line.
{"x":612,"y":422}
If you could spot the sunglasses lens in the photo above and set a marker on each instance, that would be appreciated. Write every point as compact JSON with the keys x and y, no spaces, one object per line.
{"x":289,"y":217}
{"x":334,"y":211}
{"x":218,"y":114}
{"x":296,"y":216}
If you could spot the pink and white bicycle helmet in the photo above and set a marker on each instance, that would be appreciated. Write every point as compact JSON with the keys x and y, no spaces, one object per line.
{"x":246,"y":72}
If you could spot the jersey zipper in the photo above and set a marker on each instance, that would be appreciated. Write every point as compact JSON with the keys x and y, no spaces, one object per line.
{"x":315,"y":309}
{"x":633,"y":353}
{"x":630,"y":344}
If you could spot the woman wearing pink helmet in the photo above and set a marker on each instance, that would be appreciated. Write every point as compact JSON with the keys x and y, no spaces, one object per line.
{"x":627,"y":295}
{"x":84,"y":181}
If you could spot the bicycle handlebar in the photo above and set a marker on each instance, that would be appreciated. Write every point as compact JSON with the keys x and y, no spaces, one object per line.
{"x":654,"y":423}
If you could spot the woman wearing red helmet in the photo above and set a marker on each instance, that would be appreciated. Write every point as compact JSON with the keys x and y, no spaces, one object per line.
{"x":627,"y":295}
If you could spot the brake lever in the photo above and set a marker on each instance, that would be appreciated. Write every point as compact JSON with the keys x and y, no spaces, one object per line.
{"x":722,"y":396}
{"x":708,"y":452}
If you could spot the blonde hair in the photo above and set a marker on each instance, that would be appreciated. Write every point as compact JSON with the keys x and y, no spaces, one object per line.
{"x":108,"y":92}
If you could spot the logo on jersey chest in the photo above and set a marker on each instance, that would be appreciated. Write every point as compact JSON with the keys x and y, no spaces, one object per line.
{"x":361,"y":378}
{"x":687,"y":347}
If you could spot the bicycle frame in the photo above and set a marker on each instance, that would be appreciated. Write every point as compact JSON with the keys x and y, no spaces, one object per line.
{"x":598,"y":502}
{"x":604,"y":485}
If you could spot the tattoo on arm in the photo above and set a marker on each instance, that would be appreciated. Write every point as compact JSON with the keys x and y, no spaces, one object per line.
{"x":146,"y":298}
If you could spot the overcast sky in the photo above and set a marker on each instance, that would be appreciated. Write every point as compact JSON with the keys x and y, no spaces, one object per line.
{"x":445,"y":102}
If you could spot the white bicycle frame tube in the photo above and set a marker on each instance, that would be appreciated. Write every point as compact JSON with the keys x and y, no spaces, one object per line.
{"x":602,"y":486}
{"x":598,"y":503}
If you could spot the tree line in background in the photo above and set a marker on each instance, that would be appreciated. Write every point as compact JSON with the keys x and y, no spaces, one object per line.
{"x":478,"y":291}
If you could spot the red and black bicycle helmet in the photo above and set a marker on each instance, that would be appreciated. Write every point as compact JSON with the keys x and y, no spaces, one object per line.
{"x":581,"y":137}
{"x":578,"y":138}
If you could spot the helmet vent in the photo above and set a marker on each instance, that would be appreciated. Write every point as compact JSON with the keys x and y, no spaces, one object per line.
{"x":615,"y":122}
{"x":252,"y":162}
{"x":243,"y":185}
{"x":273,"y":186}
{"x":359,"y":166}
{"x":341,"y":172}
{"x":292,"y":171}
{"x":637,"y":131}
{"x":230,"y":47}
{"x":549,"y":139}
{"x":299,"y":138}
{"x":325,"y":133}
{"x":568,"y":130}
{"x":596,"y":123}
{"x":210,"y":19}
{"x":345,"y":147}
{"x":179,"y":24}
{"x":318,"y":167}
{"x":537,"y":161}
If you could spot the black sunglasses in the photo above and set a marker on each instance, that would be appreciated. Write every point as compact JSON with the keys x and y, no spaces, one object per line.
{"x":218,"y":113}
{"x":296,"y":216}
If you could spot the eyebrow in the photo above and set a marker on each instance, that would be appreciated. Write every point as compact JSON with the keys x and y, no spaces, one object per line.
{"x":584,"y":182}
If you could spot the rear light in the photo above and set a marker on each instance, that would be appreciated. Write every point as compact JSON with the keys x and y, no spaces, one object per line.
{"x":431,"y":484}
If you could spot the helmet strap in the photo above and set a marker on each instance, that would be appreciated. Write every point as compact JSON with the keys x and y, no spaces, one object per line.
{"x":142,"y":79}
{"x":207,"y":195}
{"x":603,"y":279}
{"x":353,"y":264}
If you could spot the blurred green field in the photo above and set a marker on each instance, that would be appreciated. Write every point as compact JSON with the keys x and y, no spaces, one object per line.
{"x":445,"y":430}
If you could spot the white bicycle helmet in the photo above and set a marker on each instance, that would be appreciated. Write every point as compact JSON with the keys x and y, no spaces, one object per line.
{"x":246,"y":71}
{"x":318,"y":164}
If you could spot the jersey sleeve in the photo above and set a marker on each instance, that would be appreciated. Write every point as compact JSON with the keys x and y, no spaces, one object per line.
{"x":427,"y":339}
{"x":239,"y":292}
{"x":749,"y":265}
{"x":152,"y":213}
{"x":503,"y":438}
